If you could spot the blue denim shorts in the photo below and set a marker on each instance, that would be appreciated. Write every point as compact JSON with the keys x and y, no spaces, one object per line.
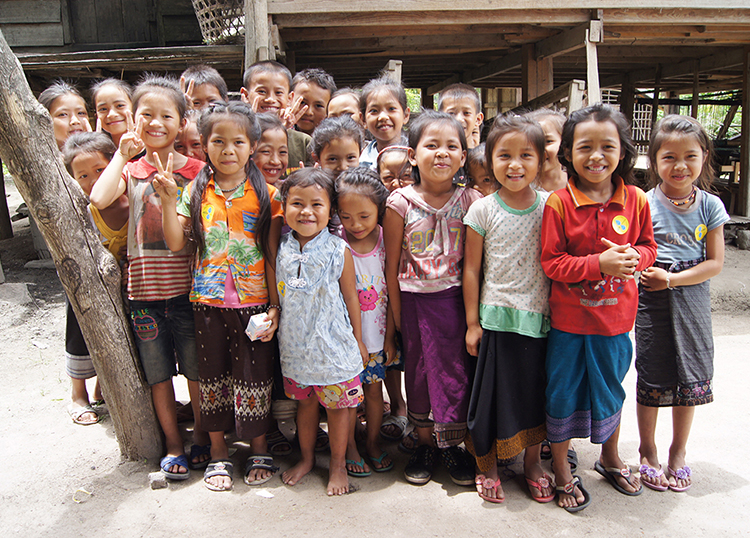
{"x":165,"y":330}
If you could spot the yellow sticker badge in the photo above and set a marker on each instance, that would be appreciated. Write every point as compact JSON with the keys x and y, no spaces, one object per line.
{"x":282,"y":288}
{"x":700,"y":232}
{"x":207,"y":212}
{"x":620,"y":224}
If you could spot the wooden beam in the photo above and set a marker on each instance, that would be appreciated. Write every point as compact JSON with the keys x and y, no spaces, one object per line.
{"x":592,"y":69}
{"x":536,"y":75}
{"x":495,"y":67}
{"x":407,"y":43}
{"x":393,"y":70}
{"x":627,"y":103}
{"x":657,"y":90}
{"x":570,"y":90}
{"x":427,"y":100}
{"x":743,"y":202}
{"x":257,"y":32}
{"x":440,"y":86}
{"x":569,"y":41}
{"x":727,"y":123}
{"x":696,"y":94}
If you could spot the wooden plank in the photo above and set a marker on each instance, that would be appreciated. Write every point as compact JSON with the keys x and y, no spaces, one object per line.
{"x":743,"y":202}
{"x":536,"y":75}
{"x":34,"y":35}
{"x":138,"y":16}
{"x":413,"y":44}
{"x":256,"y":32}
{"x":727,"y":123}
{"x":495,"y":67}
{"x":331,"y":6}
{"x":437,"y":88}
{"x":109,"y":20}
{"x":696,"y":87}
{"x":393,"y":70}
{"x":515,"y":32}
{"x":655,"y":101}
{"x":30,"y":11}
{"x":554,"y":96}
{"x":569,"y":41}
{"x":83,"y":17}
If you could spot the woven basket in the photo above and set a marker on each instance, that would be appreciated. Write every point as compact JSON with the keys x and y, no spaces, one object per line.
{"x":222,"y":21}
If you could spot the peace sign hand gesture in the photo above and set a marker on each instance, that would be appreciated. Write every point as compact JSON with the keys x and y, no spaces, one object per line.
{"x":131,"y":143}
{"x":163,"y":182}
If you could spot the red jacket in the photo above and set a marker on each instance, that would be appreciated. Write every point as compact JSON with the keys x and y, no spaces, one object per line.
{"x":582,"y":299}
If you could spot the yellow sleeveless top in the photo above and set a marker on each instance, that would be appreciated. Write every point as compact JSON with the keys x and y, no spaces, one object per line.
{"x":113,"y":240}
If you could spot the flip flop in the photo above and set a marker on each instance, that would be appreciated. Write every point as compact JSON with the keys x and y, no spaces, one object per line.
{"x":611,"y":474}
{"x":653,"y":474}
{"x":544,"y":482}
{"x":399,"y":422}
{"x":167,"y":462}
{"x":259,"y":461}
{"x":196,"y":451}
{"x":278,"y":444}
{"x":322,"y":441}
{"x":545,"y":452}
{"x":77,"y":412}
{"x":379,"y":461}
{"x":569,"y":489}
{"x":572,"y":460}
{"x":482,"y":482}
{"x":218,"y":468}
{"x":358,"y":474}
{"x":680,"y":474}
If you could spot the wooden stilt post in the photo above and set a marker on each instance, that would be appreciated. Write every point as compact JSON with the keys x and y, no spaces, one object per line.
{"x":393,"y":70}
{"x":657,"y":90}
{"x":427,"y":101}
{"x":536,"y":75}
{"x":592,"y":69}
{"x":696,"y":83}
{"x":256,"y":32}
{"x":743,"y":203}
{"x":627,"y":98}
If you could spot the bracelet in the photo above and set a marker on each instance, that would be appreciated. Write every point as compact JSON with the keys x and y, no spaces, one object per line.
{"x":277,"y":307}
{"x":669,"y":286}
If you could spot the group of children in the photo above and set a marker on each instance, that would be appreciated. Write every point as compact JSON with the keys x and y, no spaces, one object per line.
{"x":499,"y":277}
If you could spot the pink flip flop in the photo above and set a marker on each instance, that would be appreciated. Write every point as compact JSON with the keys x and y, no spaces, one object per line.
{"x":482,"y":482}
{"x":680,"y":474}
{"x":544,"y":482}
{"x":653,"y":474}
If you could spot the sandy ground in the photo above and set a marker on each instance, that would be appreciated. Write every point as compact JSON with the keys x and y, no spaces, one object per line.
{"x":63,"y":480}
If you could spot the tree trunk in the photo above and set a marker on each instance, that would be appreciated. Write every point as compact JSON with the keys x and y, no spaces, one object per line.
{"x":88,"y":272}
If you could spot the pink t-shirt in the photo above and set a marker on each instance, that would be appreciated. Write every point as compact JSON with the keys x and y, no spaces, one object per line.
{"x":433,"y":248}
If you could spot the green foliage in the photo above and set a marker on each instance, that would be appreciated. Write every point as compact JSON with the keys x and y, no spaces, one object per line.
{"x":712,"y":116}
{"x":414,"y":99}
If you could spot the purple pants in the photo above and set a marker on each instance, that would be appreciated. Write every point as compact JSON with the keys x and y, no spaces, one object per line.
{"x":437,"y":366}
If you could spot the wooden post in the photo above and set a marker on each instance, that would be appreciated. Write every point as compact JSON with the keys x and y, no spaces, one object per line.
{"x":490,"y":102}
{"x":592,"y":70}
{"x":743,"y":203}
{"x":696,"y":94}
{"x":256,"y":32}
{"x":88,"y":272}
{"x":428,"y":102}
{"x":536,"y":75}
{"x":393,"y":70}
{"x":657,"y":90}
{"x":627,"y":98}
{"x":6,"y":227}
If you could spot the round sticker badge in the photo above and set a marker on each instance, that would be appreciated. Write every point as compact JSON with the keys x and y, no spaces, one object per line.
{"x":208,"y":212}
{"x":700,"y":232}
{"x":620,"y":224}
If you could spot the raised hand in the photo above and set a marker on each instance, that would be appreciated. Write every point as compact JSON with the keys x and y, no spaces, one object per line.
{"x":291,"y":115}
{"x":163,"y":182}
{"x":188,"y":91}
{"x":131,"y":143}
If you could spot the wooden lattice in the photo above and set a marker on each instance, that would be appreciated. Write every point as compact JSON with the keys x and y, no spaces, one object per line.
{"x":222,"y":21}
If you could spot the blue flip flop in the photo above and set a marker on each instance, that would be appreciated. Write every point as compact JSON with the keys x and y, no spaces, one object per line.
{"x":199,"y":450}
{"x":358,"y":474}
{"x":167,"y":462}
{"x":379,"y":461}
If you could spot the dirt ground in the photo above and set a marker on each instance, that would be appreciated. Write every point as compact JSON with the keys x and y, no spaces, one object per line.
{"x":62,"y":480}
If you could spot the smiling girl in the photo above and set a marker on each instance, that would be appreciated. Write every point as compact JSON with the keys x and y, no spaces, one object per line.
{"x":385,"y":112}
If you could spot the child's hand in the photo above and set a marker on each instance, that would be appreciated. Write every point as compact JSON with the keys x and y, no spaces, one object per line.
{"x":390,"y":350}
{"x":473,"y":338}
{"x":290,"y":116}
{"x":273,"y":316}
{"x":654,"y":279}
{"x":188,"y":91}
{"x":163,"y":182}
{"x":98,"y":124}
{"x":87,"y":125}
{"x":131,"y":143}
{"x":363,"y":352}
{"x":618,"y":260}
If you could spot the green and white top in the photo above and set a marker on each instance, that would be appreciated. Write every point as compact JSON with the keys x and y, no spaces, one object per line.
{"x":515,"y":290}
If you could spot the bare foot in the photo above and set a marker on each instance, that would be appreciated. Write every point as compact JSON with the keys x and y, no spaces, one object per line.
{"x":291,"y":476}
{"x":489,"y":488}
{"x":338,"y":481}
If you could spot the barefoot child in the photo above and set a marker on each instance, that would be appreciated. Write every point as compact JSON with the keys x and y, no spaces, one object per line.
{"x":511,"y":316}
{"x":595,"y":234}
{"x":235,"y":220}
{"x":385,"y":111}
{"x":336,"y":144}
{"x":112,"y":101}
{"x":86,"y":155}
{"x":320,"y":336}
{"x":674,"y":343}
{"x":272,"y":153}
{"x":424,"y":241}
{"x":67,"y":108}
{"x":159,"y":280}
{"x":361,"y":203}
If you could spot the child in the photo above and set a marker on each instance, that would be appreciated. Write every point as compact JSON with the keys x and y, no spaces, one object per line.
{"x":345,"y":101}
{"x":462,"y":102}
{"x":424,"y":240}
{"x":320,"y":336}
{"x":361,"y":200}
{"x":385,"y":112}
{"x":113,"y":99}
{"x":478,"y":174}
{"x":313,"y":88}
{"x":203,"y":85}
{"x":272,"y":154}
{"x":595,"y":234}
{"x":674,"y":343}
{"x":511,"y":316}
{"x":67,"y":108}
{"x":159,"y":280}
{"x":235,"y":218}
{"x":394,"y":167}
{"x":188,"y":141}
{"x":336,"y":144}
{"x":86,"y":155}
{"x":266,"y":88}
{"x":553,"y":176}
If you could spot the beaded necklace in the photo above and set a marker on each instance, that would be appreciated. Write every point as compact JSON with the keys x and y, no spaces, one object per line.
{"x":233,"y":188}
{"x":683,"y":200}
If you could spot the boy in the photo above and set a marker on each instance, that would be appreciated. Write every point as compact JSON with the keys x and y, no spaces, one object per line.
{"x":315,"y":87}
{"x":203,"y":85}
{"x":462,"y":102}
{"x":266,"y":87}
